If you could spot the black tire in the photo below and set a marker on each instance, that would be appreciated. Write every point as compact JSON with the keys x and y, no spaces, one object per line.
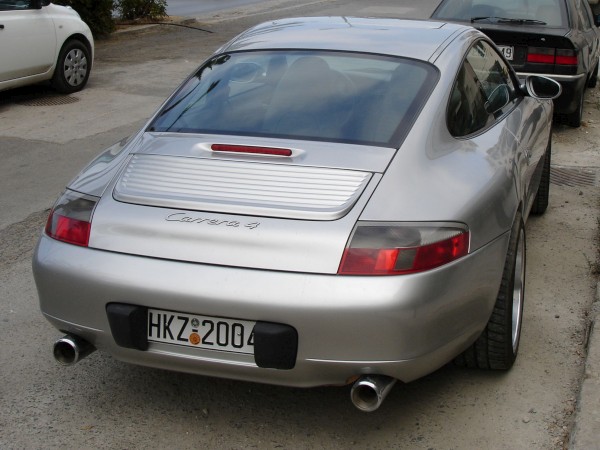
{"x":72,"y":67}
{"x":593,"y":81}
{"x":574,"y":119}
{"x":540,"y":202}
{"x":498,"y":345}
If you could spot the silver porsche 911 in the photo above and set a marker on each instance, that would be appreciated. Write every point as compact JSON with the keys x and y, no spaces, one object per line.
{"x":325,"y":201}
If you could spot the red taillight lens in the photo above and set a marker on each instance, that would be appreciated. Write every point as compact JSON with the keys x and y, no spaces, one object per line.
{"x":566,"y":57}
{"x":71,"y":218}
{"x":397,"y":250}
{"x":68,"y":230}
{"x":540,"y":55}
{"x":440,"y":253}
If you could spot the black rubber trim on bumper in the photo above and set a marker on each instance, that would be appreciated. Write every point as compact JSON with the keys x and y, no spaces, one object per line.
{"x":275,"y":344}
{"x":128,"y":325}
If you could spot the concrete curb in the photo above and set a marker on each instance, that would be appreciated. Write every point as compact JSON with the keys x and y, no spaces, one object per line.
{"x":586,"y":431}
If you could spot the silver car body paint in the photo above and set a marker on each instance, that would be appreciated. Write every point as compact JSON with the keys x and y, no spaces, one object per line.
{"x":272,"y":261}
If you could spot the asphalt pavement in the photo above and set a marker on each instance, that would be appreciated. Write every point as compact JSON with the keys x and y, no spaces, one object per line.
{"x":586,"y":431}
{"x":194,"y":7}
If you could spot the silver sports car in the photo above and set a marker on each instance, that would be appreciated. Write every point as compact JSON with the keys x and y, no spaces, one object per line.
{"x":325,"y":201}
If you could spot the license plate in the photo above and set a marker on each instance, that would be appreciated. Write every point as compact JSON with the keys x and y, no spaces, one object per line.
{"x":508,"y":52}
{"x":191,"y":330}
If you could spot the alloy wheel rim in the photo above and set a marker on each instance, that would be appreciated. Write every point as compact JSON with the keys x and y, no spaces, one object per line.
{"x":518,"y":292}
{"x":75,"y":67}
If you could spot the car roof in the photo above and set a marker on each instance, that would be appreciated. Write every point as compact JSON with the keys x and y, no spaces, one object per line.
{"x":418,"y":39}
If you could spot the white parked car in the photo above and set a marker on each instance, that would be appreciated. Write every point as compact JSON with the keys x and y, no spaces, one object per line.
{"x":40,"y":41}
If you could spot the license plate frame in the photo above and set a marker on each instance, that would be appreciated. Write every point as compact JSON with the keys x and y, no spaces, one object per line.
{"x":200,"y":331}
{"x":508,"y":52}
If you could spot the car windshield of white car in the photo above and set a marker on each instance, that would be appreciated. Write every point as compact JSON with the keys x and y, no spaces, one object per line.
{"x":329,"y":96}
{"x":549,"y":13}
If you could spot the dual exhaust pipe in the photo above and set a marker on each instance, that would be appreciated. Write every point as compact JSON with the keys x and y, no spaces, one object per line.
{"x":71,"y":349}
{"x":367,"y":393}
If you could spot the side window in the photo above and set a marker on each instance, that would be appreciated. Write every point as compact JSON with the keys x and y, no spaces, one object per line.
{"x":483,"y":91}
{"x":15,"y":5}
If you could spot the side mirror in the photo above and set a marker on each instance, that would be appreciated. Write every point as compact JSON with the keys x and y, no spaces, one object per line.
{"x":541,"y":87}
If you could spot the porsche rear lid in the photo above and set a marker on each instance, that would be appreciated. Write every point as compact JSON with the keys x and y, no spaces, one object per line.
{"x":317,"y":181}
{"x":240,"y":187}
{"x":179,"y":199}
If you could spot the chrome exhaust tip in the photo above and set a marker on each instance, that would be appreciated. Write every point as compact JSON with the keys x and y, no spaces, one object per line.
{"x":369,"y":391}
{"x":71,"y":349}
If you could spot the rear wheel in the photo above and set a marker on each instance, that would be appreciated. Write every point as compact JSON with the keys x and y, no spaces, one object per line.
{"x":72,"y":67}
{"x":497,"y":347}
{"x":593,"y":78}
{"x":574,"y":119}
{"x":540,"y":202}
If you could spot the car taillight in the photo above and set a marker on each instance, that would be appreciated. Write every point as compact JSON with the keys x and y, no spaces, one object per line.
{"x":544,"y":55}
{"x":401,"y":249}
{"x":71,"y":218}
{"x":540,"y":55}
{"x":566,"y":57}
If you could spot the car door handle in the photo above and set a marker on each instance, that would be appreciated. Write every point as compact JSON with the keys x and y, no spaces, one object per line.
{"x":1,"y":27}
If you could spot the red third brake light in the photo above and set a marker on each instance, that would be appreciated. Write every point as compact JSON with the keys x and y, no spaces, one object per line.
{"x":397,"y":250}
{"x":273,"y":151}
{"x":70,"y":220}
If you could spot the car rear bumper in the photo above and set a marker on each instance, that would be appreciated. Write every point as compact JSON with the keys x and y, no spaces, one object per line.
{"x":401,"y":326}
{"x":572,"y":86}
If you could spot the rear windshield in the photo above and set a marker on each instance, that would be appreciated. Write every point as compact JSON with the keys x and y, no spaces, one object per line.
{"x":545,"y":12}
{"x":331,"y":96}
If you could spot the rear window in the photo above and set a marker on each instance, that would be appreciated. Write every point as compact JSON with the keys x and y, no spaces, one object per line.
{"x":331,"y":96}
{"x":552,"y":12}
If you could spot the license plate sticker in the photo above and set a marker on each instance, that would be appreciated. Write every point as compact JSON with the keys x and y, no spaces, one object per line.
{"x":191,"y":330}
{"x":508,"y":52}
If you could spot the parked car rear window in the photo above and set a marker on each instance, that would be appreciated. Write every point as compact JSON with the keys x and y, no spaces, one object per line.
{"x":552,"y":12}
{"x":15,"y":5}
{"x":331,"y":96}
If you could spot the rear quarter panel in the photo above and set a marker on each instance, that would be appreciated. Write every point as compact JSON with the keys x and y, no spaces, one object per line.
{"x":480,"y":180}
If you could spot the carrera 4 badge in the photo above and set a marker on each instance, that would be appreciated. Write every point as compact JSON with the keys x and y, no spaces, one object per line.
{"x":185,"y":218}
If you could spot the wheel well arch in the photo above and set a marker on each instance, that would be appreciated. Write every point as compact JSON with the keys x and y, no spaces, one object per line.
{"x":519,"y":210}
{"x":81,"y":38}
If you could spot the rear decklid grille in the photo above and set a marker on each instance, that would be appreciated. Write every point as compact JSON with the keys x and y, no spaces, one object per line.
{"x":238,"y":187}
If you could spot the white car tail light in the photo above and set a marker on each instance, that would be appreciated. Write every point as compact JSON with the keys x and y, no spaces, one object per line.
{"x":384,"y":249}
{"x":71,"y":218}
